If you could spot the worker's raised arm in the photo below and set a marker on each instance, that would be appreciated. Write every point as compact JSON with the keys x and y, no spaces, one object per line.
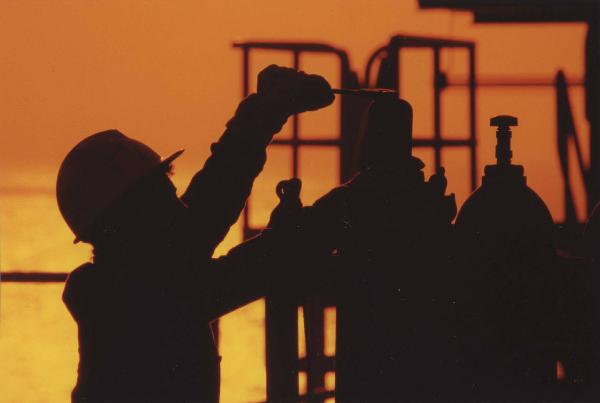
{"x":217,"y":193}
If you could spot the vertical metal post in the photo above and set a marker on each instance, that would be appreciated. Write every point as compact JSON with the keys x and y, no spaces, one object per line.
{"x":592,"y":87}
{"x":345,"y":146}
{"x":315,"y":370}
{"x":245,"y":91}
{"x":295,"y":126}
{"x":397,"y":50}
{"x":472,"y":114}
{"x":281,"y":328}
{"x":437,"y":134}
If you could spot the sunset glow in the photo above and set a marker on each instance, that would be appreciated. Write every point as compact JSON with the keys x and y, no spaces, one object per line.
{"x":165,"y":73}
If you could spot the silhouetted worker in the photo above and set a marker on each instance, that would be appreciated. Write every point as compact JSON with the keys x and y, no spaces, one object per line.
{"x":144,"y":305}
{"x":394,"y":338}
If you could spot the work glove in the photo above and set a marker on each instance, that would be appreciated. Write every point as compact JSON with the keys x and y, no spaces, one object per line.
{"x":294,"y":90}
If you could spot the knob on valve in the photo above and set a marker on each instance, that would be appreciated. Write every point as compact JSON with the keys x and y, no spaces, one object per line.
{"x":503,"y":136}
{"x":504,"y":121}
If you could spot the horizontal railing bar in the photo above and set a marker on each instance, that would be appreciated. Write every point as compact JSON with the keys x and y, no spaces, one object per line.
{"x":512,"y":82}
{"x":420,"y":142}
{"x":429,"y":42}
{"x":290,"y":46}
{"x":32,"y":277}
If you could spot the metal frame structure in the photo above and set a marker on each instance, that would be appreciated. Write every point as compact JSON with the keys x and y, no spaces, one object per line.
{"x":342,"y":140}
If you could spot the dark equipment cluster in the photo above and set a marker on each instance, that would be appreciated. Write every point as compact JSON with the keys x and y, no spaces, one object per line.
{"x":485,"y":309}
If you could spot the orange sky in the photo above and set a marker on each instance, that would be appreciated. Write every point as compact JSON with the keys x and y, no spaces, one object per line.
{"x":164,"y":72}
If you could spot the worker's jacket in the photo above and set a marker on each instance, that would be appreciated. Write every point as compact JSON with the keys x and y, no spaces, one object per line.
{"x":144,"y":334}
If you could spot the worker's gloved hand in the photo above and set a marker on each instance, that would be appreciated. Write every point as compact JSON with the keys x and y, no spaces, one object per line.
{"x":294,"y":90}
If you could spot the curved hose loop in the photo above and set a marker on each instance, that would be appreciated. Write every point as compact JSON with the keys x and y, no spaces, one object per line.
{"x":370,"y":62}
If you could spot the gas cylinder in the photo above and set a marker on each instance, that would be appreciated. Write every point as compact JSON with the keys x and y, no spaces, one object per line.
{"x":393,"y":314}
{"x":505,"y":242}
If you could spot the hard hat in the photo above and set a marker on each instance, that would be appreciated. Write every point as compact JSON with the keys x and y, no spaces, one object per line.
{"x":97,"y":172}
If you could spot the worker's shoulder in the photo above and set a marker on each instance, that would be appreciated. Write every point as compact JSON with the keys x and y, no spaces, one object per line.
{"x":81,"y":293}
{"x":81,"y":271}
{"x":79,"y":277}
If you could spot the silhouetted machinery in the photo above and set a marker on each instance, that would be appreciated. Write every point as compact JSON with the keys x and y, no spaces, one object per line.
{"x":509,"y":291}
{"x":423,"y":313}
{"x":282,"y":312}
{"x":395,"y":318}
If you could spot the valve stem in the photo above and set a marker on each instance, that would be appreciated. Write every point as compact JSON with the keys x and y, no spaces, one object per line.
{"x":503,"y":136}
